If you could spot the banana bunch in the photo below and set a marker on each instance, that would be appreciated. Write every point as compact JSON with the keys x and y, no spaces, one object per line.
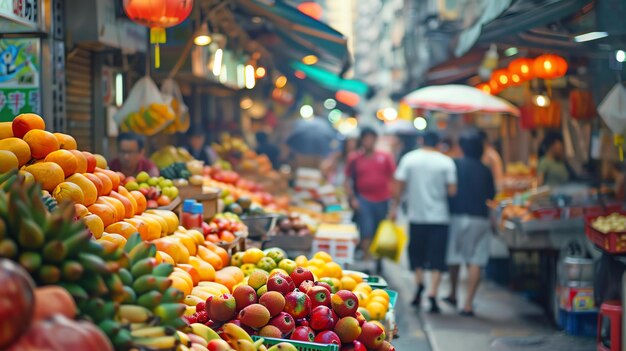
{"x":239,"y":340}
{"x":182,"y":121}
{"x":148,"y":121}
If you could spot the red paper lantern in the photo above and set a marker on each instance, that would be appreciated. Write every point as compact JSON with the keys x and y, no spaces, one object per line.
{"x":501,"y":77}
{"x":523,"y":67}
{"x":550,"y":66}
{"x":496,"y":88}
{"x":312,"y":9}
{"x":158,"y":15}
{"x":484,"y":87}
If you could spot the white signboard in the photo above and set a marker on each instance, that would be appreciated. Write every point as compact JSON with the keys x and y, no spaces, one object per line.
{"x":25,"y":12}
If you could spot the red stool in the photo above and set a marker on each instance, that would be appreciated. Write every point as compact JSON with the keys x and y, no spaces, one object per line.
{"x":610,"y":326}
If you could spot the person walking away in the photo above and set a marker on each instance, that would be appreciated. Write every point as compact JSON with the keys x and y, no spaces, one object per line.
{"x":369,"y":177}
{"x":265,"y":147}
{"x":198,"y":148}
{"x":491,"y":158}
{"x":131,"y":159}
{"x":552,"y":169}
{"x":429,"y":178}
{"x":469,"y":239}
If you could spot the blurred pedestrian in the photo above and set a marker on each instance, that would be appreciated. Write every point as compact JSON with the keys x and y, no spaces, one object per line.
{"x":429,"y":178}
{"x":491,"y":158}
{"x":369,"y":177}
{"x":552,"y":169}
{"x":198,"y":148}
{"x":131,"y":159}
{"x":265,"y":147}
{"x":334,"y":166}
{"x":469,"y":239}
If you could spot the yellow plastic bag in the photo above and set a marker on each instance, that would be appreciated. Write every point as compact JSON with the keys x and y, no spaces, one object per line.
{"x":389,"y":241}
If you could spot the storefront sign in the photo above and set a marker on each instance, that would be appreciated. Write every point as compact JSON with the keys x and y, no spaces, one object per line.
{"x":25,"y":12}
{"x":19,"y":77}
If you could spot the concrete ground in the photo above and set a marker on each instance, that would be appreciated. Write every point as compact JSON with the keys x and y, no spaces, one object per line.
{"x":504,"y":321}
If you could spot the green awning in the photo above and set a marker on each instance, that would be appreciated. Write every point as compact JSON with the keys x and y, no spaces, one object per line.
{"x":330,"y":80}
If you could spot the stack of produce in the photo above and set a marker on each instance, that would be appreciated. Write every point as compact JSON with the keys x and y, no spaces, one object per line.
{"x":169,"y":155}
{"x":157,"y":190}
{"x":224,"y":228}
{"x":120,"y":288}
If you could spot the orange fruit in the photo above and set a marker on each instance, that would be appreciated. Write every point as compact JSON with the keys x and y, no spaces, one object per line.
{"x":107,"y":184}
{"x":332,"y":269}
{"x":204,"y":269}
{"x":222,"y":253}
{"x":128,"y":206}
{"x":101,"y":162}
{"x":227,"y":237}
{"x":65,"y":159}
{"x":193,"y":272}
{"x":141,"y":227}
{"x":81,"y":161}
{"x":125,"y":229}
{"x":117,"y":205}
{"x":68,"y":191}
{"x":377,"y":310}
{"x":41,"y":143}
{"x":105,"y":211}
{"x":115,"y":179}
{"x":348,"y":283}
{"x":66,"y":141}
{"x":6,"y":130}
{"x":26,"y":122}
{"x":8,"y":161}
{"x":142,"y":203}
{"x":18,"y":147}
{"x":225,"y":279}
{"x":91,"y":161}
{"x":173,"y":248}
{"x":47,"y":173}
{"x":187,"y":241}
{"x":80,"y":210}
{"x":324,"y":256}
{"x":381,"y":294}
{"x":115,"y":238}
{"x":181,"y":284}
{"x":95,"y":224}
{"x":183,"y":274}
{"x":90,"y":192}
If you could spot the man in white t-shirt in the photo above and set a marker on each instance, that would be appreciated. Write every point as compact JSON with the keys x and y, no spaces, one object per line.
{"x":429,"y":178}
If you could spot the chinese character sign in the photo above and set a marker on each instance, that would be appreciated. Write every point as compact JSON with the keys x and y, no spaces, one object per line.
{"x":19,"y":77}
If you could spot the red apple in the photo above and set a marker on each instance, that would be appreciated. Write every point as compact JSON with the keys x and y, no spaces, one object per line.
{"x":353,"y":346}
{"x":281,"y":283}
{"x":324,"y":284}
{"x":303,"y":334}
{"x":372,"y":336}
{"x":360,"y":318}
{"x":321,"y":318}
{"x":305,"y":285}
{"x":319,"y":296}
{"x":284,"y":322}
{"x":327,"y":337}
{"x":302,"y":322}
{"x":345,"y":303}
{"x":301,"y":274}
{"x":152,"y":204}
{"x":297,"y":304}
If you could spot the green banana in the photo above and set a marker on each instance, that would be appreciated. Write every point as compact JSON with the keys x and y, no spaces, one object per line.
{"x":8,"y":248}
{"x":94,"y":247}
{"x":93,"y":263}
{"x":55,"y":226}
{"x":54,"y":251}
{"x":143,"y":267}
{"x":132,"y":241}
{"x":30,"y":235}
{"x":76,"y":243}
{"x":169,"y":311}
{"x":110,"y":327}
{"x":77,"y":291}
{"x":31,"y":261}
{"x":8,"y":174}
{"x":150,"y":299}
{"x":163,"y":270}
{"x":151,"y":332}
{"x":49,"y":274}
{"x":107,"y":311}
{"x":39,"y":211}
{"x":122,"y":340}
{"x":157,"y":343}
{"x":8,"y":182}
{"x":94,"y":284}
{"x":114,"y":283}
{"x":172,"y":294}
{"x":149,"y":282}
{"x":72,"y":271}
{"x":140,"y":251}
{"x":175,"y":323}
{"x":134,"y":313}
{"x":128,"y":296}
{"x":126,"y":277}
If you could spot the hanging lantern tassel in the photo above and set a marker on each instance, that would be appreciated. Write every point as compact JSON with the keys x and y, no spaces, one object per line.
{"x":157,"y":37}
{"x":619,"y":142}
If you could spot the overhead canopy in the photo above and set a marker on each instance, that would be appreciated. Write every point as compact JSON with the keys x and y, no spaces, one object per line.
{"x":330,"y":80}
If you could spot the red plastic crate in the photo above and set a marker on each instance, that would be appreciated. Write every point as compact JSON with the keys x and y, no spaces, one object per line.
{"x":547,"y":213}
{"x":612,"y":242}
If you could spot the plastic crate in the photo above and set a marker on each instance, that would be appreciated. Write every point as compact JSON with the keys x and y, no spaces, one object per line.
{"x":259,"y":226}
{"x":393,"y":298}
{"x":300,"y":345}
{"x":612,"y":242}
{"x":342,"y":251}
{"x":579,"y":323}
{"x":548,"y":213}
{"x":376,"y":282}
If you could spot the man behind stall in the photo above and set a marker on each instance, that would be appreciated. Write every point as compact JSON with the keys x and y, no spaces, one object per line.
{"x":131,"y":159}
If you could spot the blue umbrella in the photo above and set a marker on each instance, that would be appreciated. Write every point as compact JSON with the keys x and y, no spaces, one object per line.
{"x":313,"y":137}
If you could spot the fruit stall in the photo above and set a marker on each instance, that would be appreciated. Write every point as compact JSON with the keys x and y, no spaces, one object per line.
{"x":129,"y":263}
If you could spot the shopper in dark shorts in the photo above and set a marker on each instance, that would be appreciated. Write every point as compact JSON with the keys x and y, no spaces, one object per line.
{"x":429,"y":178}
{"x":369,"y":177}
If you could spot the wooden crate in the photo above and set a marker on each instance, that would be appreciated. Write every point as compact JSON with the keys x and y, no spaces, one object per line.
{"x":208,"y":198}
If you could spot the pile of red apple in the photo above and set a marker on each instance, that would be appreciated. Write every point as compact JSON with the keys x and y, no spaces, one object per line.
{"x":223,"y":228}
{"x":298,"y":308}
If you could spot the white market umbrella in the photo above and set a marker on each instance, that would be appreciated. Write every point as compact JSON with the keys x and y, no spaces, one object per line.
{"x":613,"y":109}
{"x":454,"y":98}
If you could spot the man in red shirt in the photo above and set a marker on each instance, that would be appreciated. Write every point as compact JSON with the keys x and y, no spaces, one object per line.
{"x":369,"y":175}
{"x":131,"y":158}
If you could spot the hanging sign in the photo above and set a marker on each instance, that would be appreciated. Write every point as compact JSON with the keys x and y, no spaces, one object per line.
{"x":19,"y":77}
{"x":23,"y":12}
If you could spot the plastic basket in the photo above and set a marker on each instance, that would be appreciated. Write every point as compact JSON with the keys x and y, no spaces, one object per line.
{"x":612,"y":242}
{"x":579,"y":323}
{"x":300,"y":345}
{"x":376,"y":282}
{"x":259,"y":226}
{"x":393,"y":297}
